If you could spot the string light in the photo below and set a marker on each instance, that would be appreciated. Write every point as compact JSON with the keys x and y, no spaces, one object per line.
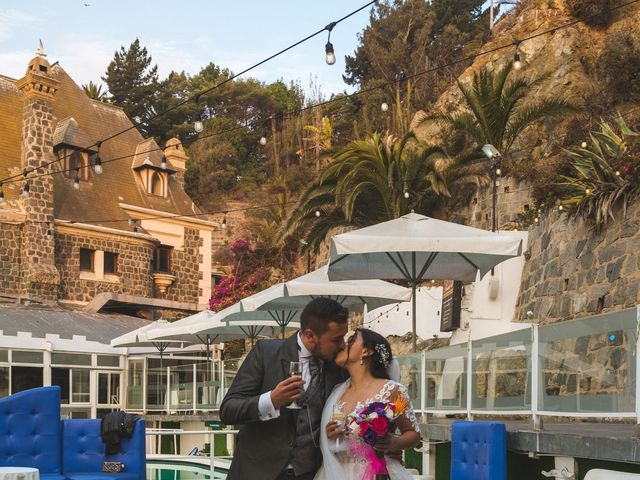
{"x":1,"y":195}
{"x":76,"y":181}
{"x":536,"y":220}
{"x":406,"y":190}
{"x":25,"y":186}
{"x":583,"y":144}
{"x":561,"y":208}
{"x":587,"y":191}
{"x":384,"y":107}
{"x":97,"y":162}
{"x":263,"y":141}
{"x":328,"y":48}
{"x":617,"y":173}
{"x":163,"y":163}
{"x":498,"y":171}
{"x":224,"y":221}
{"x":517,"y":63}
{"x":318,"y":213}
{"x":49,"y":234}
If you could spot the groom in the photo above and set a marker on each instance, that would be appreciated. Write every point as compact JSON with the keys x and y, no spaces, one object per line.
{"x":277,"y":443}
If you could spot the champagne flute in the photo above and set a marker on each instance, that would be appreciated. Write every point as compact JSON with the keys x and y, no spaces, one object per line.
{"x":340,"y":418}
{"x":295,"y":370}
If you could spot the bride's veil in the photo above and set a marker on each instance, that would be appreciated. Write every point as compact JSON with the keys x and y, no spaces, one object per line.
{"x":331,"y":466}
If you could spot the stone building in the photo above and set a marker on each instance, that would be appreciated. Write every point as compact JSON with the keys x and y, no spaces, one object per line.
{"x":101,"y":226}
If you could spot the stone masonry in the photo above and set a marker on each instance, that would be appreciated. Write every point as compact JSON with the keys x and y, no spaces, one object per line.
{"x":10,"y":258}
{"x":185,"y":266}
{"x":133,"y":265}
{"x":40,"y":277}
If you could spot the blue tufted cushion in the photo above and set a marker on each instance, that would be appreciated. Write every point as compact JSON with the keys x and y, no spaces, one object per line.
{"x":83,"y":452}
{"x":30,"y":430}
{"x":478,"y":451}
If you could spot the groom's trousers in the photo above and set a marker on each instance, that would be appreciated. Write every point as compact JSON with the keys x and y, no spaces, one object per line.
{"x":289,"y":475}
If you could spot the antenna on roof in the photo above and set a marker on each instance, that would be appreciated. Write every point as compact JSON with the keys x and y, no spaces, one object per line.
{"x":40,"y":49}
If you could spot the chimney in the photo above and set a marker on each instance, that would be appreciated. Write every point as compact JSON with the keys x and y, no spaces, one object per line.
{"x":177,"y":158}
{"x":40,"y":278}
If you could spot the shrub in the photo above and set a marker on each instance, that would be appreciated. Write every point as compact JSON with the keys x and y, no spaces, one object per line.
{"x":595,"y":13}
{"x":620,"y":66}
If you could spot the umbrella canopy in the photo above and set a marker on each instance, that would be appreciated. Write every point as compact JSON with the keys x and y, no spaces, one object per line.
{"x":296,"y":293}
{"x":281,"y":317}
{"x":414,"y":248}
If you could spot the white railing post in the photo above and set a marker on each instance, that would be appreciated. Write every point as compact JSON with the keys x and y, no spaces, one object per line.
{"x":637,"y":354}
{"x":535,"y":376}
{"x":212,"y":455}
{"x":423,"y":386}
{"x":195,"y":388}
{"x":469,"y":377}
{"x":221,"y":382}
{"x":168,"y":399}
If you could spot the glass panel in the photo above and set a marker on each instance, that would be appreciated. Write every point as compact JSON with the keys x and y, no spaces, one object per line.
{"x":114,"y":389}
{"x":80,"y":390}
{"x":86,"y":260}
{"x":60,"y":377}
{"x":18,"y":356}
{"x":70,"y":359}
{"x":156,"y":388}
{"x":76,"y":412}
{"x":181,"y":387}
{"x":501,"y":372}
{"x":207,"y":386}
{"x":108,"y":361}
{"x":110,"y":263}
{"x":24,"y":378}
{"x":4,"y":355}
{"x":588,"y":365}
{"x":411,"y":377}
{"x":446,"y":378}
{"x":4,"y":381}
{"x":103,"y":388}
{"x":135,"y":387}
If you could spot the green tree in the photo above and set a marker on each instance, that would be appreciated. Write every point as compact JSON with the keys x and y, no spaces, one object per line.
{"x":132,"y":81}
{"x":497,"y":109}
{"x":378,"y":179}
{"x":95,"y":92}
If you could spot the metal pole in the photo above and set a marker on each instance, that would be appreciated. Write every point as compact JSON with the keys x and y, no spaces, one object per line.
{"x":469,"y":376}
{"x":535,"y":376}
{"x":494,"y":178}
{"x":413,"y":323}
{"x":637,"y":432}
{"x":195,"y":388}
{"x":212,"y":457}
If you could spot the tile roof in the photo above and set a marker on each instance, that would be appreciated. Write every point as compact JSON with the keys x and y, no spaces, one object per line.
{"x":97,"y":199}
{"x":68,"y":133}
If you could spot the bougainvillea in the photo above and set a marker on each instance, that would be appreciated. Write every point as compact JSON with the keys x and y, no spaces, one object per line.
{"x":246,"y":278}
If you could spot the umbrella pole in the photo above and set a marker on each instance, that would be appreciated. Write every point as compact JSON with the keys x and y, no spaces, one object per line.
{"x":413,"y":320}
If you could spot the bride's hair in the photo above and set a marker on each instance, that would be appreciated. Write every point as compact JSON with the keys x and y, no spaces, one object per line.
{"x":381,"y":357}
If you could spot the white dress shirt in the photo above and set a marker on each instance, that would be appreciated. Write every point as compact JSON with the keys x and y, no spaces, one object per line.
{"x":266,"y":409}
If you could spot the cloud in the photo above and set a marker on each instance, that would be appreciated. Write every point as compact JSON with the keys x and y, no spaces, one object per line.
{"x":13,"y":20}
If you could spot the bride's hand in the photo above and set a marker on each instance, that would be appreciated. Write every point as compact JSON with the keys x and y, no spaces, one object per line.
{"x":334,"y":430}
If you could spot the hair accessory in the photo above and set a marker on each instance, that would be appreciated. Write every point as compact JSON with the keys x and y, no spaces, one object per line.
{"x":383,"y":353}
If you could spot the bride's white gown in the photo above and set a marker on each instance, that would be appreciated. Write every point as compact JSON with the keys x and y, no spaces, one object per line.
{"x":337,"y":463}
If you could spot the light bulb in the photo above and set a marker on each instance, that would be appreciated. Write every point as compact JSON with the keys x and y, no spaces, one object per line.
{"x":560,"y":208}
{"x":97,"y":165}
{"x":48,"y":234}
{"x":198,"y":126}
{"x":163,"y":163}
{"x":536,"y":219}
{"x":317,"y":213}
{"x":588,"y":191}
{"x":517,"y":63}
{"x":25,"y":190}
{"x":1,"y":196}
{"x":331,"y":57}
{"x":263,"y":141}
{"x":617,"y":173}
{"x":76,"y":184}
{"x":498,"y":172}
{"x":384,"y":107}
{"x":583,"y":144}
{"x":406,"y":194}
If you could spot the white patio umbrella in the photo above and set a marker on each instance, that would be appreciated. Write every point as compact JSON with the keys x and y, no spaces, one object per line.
{"x":296,"y":293}
{"x":415,"y":248}
{"x":282,"y":317}
{"x":141,"y":337}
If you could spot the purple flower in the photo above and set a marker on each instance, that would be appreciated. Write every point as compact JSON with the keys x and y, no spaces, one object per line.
{"x":370,"y":437}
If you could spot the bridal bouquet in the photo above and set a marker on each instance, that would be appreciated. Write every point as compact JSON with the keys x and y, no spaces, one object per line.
{"x":371,"y":423}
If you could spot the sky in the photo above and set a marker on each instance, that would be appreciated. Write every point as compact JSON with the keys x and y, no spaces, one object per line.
{"x":184,"y":35}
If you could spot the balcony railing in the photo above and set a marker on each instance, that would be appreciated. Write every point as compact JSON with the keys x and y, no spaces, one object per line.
{"x":580,"y":368}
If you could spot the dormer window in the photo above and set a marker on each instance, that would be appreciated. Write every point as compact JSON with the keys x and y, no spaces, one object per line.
{"x":157,"y":185}
{"x":154,"y":181}
{"x":72,"y":161}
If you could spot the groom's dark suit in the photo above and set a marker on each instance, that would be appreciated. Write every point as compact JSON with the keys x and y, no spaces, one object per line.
{"x":266,"y":448}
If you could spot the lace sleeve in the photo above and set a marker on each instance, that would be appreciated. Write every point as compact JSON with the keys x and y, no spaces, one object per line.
{"x":409,"y":413}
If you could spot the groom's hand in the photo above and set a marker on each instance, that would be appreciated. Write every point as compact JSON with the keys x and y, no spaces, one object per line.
{"x":287,"y":391}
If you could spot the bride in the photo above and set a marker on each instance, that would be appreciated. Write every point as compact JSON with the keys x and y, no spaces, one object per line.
{"x":368,"y":359}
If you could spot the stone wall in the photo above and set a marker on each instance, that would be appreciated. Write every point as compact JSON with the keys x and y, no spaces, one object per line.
{"x":514,"y":198}
{"x":185,"y":266}
{"x":573,"y":271}
{"x":133,"y":265}
{"x":10,"y":258}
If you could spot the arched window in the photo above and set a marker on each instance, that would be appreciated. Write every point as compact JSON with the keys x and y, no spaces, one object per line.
{"x":156,"y":187}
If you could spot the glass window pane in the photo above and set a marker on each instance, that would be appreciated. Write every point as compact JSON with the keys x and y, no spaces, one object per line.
{"x":4,"y":381}
{"x":60,"y":377}
{"x":4,"y":355}
{"x":108,"y":361}
{"x":80,"y":392}
{"x":110,"y":263}
{"x":24,"y":378}
{"x":135,"y":386}
{"x":103,"y":388}
{"x":86,"y":260}
{"x":18,"y":356}
{"x":114,"y":388}
{"x":70,"y":359}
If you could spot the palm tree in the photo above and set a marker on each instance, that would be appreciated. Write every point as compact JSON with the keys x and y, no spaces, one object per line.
{"x":497,"y":108}
{"x":605,"y":174}
{"x":378,"y":179}
{"x":95,"y":92}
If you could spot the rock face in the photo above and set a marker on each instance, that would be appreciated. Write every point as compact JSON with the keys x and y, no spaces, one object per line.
{"x":575,"y":271}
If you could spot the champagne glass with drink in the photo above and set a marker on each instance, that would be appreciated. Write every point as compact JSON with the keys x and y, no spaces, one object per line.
{"x":295,"y":370}
{"x":340,"y":418}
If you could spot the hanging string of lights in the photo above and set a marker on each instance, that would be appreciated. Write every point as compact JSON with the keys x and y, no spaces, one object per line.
{"x":196,"y":97}
{"x":263,"y":140}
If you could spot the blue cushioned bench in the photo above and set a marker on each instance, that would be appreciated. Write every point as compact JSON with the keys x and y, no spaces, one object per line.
{"x":32,"y":435}
{"x":478,"y":451}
